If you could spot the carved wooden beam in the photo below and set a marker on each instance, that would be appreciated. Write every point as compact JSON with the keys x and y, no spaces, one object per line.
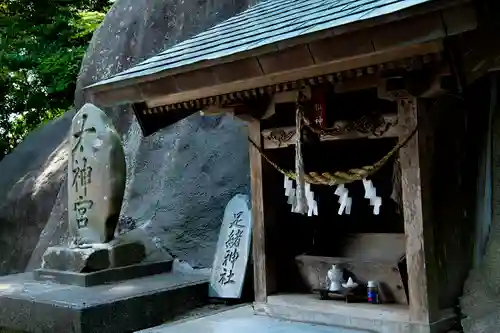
{"x":285,"y":136}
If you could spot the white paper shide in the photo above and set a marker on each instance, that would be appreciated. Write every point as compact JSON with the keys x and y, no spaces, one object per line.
{"x":291,"y":192}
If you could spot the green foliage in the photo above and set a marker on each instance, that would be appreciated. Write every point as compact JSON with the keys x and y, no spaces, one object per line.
{"x":42,"y":43}
{"x":87,"y":22}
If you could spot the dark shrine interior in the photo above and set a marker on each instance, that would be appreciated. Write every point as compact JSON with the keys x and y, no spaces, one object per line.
{"x":324,"y":235}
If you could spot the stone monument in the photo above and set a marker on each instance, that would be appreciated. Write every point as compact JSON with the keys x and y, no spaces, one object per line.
{"x":96,"y":177}
{"x":233,"y":249}
{"x":96,"y":186}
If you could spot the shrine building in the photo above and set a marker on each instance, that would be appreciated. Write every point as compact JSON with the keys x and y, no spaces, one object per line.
{"x":386,"y":100}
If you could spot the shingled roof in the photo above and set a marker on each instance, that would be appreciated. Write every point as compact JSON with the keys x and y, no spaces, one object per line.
{"x":282,"y":42}
{"x":266,"y":23}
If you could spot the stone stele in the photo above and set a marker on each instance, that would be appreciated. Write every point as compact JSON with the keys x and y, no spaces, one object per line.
{"x":96,"y":176}
{"x":96,"y":185}
{"x":233,"y":249}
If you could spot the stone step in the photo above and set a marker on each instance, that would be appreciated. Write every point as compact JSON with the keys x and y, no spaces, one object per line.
{"x":42,"y":306}
{"x":243,"y":320}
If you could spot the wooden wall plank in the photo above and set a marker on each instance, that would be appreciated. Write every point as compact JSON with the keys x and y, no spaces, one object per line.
{"x":343,"y":46}
{"x":166,"y":85}
{"x":258,"y":235}
{"x":196,"y":79}
{"x":238,"y":70}
{"x":460,"y":19}
{"x":415,"y":159}
{"x":294,"y":57}
{"x":457,"y":184}
{"x":414,"y":30}
{"x":387,"y":247}
{"x":125,"y":95}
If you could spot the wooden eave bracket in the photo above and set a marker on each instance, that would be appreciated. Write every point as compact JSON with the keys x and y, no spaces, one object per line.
{"x":423,"y":84}
{"x":284,"y":97}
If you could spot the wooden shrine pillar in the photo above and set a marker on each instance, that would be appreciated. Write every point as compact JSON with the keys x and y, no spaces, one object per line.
{"x":263,"y":276}
{"x":416,"y":168}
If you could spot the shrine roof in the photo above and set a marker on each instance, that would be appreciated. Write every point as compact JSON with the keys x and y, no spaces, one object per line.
{"x":281,"y":44}
{"x":268,"y":22}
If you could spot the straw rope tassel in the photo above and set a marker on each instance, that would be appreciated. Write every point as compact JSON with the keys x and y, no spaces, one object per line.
{"x":302,"y":207}
{"x":338,"y":177}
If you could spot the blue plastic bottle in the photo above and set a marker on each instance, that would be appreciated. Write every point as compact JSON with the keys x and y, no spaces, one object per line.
{"x":372,"y":292}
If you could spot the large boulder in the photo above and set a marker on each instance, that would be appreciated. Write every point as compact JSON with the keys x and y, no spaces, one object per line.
{"x":30,"y":179}
{"x":179,"y":179}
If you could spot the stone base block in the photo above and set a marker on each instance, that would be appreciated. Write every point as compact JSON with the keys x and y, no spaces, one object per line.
{"x":45,"y":307}
{"x":93,"y":257}
{"x":104,"y":276}
{"x":76,"y":260}
{"x":125,"y":254}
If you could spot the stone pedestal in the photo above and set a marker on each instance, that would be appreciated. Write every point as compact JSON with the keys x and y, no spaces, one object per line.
{"x":95,"y":264}
{"x":106,"y":276}
{"x":28,"y":305}
{"x":76,"y":260}
{"x":93,"y":257}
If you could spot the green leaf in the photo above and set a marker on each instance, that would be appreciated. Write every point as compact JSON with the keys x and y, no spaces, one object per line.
{"x":42,"y":43}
